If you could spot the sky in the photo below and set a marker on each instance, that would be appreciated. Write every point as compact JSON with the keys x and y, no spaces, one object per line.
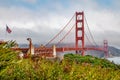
{"x":42,"y":19}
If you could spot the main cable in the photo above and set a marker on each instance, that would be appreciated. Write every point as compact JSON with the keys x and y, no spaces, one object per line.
{"x":88,"y":39}
{"x":60,"y":31}
{"x":66,"y":34}
{"x":90,"y":33}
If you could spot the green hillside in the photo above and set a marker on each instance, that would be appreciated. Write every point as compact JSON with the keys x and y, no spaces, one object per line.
{"x":73,"y":67}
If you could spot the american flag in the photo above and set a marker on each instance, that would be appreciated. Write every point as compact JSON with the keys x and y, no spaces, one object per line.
{"x":8,"y":29}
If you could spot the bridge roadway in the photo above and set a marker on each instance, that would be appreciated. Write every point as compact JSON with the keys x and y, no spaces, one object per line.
{"x":60,"y":49}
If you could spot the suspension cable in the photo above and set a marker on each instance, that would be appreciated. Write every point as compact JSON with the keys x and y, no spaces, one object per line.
{"x":88,"y":39}
{"x":60,"y":31}
{"x":66,"y":34}
{"x":90,"y":33}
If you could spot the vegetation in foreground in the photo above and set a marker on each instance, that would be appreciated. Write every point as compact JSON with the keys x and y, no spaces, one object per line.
{"x":73,"y":67}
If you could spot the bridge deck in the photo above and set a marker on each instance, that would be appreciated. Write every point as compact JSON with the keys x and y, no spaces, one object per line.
{"x":61,"y":49}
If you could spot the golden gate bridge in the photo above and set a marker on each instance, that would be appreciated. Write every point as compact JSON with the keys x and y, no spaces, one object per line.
{"x":78,"y":26}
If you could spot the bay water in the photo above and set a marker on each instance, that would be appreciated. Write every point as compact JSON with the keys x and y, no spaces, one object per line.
{"x":116,"y":60}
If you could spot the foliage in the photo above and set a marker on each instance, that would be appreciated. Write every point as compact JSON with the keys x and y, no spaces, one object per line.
{"x":73,"y":67}
{"x":7,"y":57}
{"x":10,"y":44}
{"x":91,"y":60}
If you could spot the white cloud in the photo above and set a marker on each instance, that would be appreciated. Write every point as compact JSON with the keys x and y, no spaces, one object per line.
{"x":43,"y":22}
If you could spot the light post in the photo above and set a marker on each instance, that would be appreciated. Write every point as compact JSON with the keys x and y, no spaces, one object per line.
{"x":30,"y":44}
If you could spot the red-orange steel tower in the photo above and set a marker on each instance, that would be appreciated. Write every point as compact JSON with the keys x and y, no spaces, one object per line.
{"x":106,"y":48}
{"x":79,"y":30}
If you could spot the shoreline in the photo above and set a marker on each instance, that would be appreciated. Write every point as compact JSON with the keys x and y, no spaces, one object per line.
{"x":114,"y":59}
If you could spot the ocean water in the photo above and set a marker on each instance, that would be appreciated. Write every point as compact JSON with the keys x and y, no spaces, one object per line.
{"x":116,"y":60}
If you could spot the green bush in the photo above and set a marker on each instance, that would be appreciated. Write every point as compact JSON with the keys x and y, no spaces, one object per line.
{"x":73,"y":67}
{"x":91,"y":60}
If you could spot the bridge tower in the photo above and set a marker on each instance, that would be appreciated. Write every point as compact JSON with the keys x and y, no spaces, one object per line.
{"x":106,"y":48}
{"x":79,"y":30}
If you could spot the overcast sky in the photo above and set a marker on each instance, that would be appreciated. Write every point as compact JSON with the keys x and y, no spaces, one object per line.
{"x":42,"y":19}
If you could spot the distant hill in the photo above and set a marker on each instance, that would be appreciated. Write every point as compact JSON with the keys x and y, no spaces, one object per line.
{"x":23,"y":45}
{"x":114,"y":51}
